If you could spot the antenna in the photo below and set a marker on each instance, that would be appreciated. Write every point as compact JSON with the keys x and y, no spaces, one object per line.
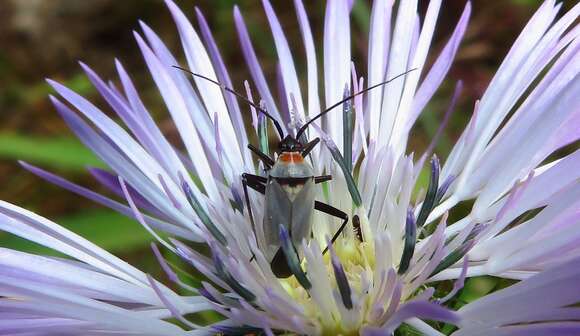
{"x":238,"y":95}
{"x":303,"y":128}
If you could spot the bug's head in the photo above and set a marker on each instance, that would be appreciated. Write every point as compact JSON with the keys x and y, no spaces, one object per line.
{"x":290,"y":144}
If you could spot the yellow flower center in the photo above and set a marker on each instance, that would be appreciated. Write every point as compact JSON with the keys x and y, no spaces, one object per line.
{"x":358,"y":259}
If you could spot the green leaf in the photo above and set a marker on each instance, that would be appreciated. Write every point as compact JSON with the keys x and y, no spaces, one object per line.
{"x":111,"y":231}
{"x":474,"y":289}
{"x":422,"y":180}
{"x":529,"y":3}
{"x":477,"y":287}
{"x":361,"y":14}
{"x":26,"y":94}
{"x":407,"y":330}
{"x":430,"y":122}
{"x":65,"y":153}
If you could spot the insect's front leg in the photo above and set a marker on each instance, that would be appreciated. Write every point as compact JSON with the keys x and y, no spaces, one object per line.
{"x":257,"y":183}
{"x":310,"y":146}
{"x":262,"y":156}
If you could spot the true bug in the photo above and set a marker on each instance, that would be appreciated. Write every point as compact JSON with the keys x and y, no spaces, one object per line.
{"x":289,"y":185}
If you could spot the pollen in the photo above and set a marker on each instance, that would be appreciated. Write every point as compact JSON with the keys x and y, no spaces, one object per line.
{"x":357,"y":259}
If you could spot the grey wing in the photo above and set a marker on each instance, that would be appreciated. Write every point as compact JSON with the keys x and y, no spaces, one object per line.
{"x":302,"y":209}
{"x":278,"y":210}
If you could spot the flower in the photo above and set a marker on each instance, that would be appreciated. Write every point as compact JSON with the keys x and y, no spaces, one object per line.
{"x":380,"y":271}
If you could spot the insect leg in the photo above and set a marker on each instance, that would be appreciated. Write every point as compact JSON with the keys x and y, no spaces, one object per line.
{"x":330,"y":210}
{"x":322,"y":178}
{"x":255,"y":182}
{"x":263,"y":157}
{"x":310,"y":146}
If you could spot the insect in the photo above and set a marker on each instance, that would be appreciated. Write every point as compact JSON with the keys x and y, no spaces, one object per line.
{"x":288,"y":186}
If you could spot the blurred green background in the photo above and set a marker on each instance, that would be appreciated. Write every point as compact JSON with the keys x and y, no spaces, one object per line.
{"x":41,"y":38}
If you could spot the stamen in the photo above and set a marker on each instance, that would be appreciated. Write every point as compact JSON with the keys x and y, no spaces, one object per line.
{"x":410,"y":240}
{"x":335,"y":152}
{"x":219,"y":298}
{"x":347,"y":126}
{"x":443,"y":188}
{"x":216,"y":233}
{"x":431,"y":195}
{"x":453,"y":257}
{"x":263,"y":134}
{"x":227,"y":278}
{"x":341,"y":280}
{"x":238,"y":202}
{"x":203,"y":292}
{"x":292,"y":259}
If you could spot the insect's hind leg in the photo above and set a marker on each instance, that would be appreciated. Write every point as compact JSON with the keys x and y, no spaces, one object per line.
{"x":322,"y":178}
{"x":330,"y":210}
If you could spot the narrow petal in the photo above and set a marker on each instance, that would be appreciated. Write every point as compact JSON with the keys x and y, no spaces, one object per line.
{"x":336,"y":62}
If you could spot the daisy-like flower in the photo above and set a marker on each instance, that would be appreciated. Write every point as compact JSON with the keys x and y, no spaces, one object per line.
{"x":271,"y":270}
